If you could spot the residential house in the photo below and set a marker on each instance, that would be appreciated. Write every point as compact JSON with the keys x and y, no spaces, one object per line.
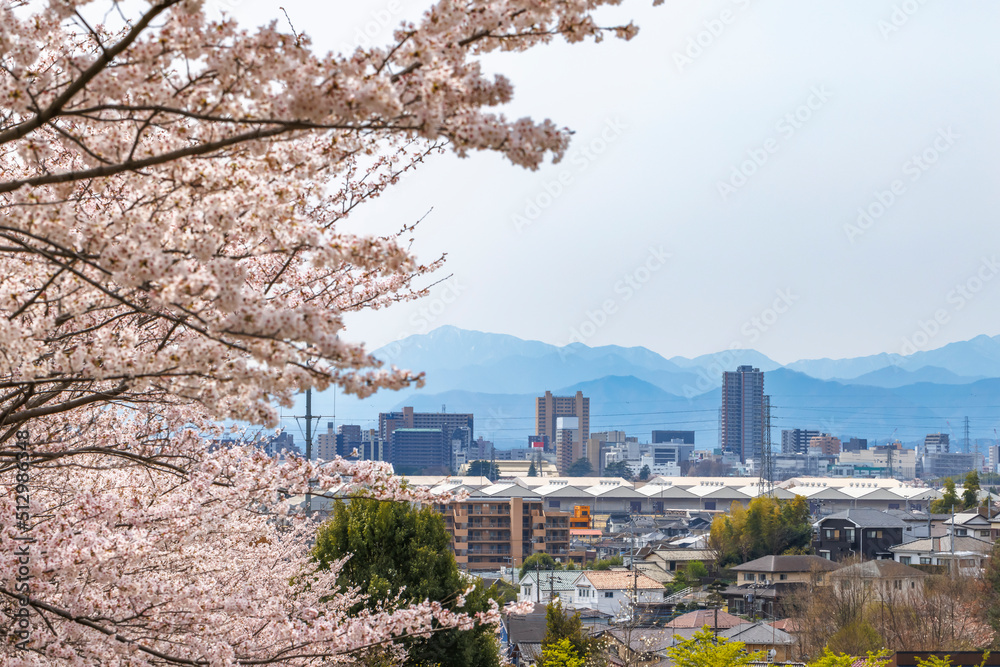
{"x":761,"y":636}
{"x":543,"y":585}
{"x":968,"y":554}
{"x":885,"y":578}
{"x":970,"y":524}
{"x":614,"y":591}
{"x":864,"y":533}
{"x":762,"y":583}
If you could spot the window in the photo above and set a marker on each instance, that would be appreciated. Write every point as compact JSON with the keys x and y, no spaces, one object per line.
{"x":761,"y":577}
{"x":875,"y":534}
{"x":526,"y":591}
{"x":636,"y":506}
{"x":897,"y":584}
{"x":825,"y":554}
{"x":782,"y":577}
{"x":850,"y":534}
{"x":984,"y":533}
{"x":609,"y":594}
{"x":966,"y":562}
{"x":583,"y":592}
{"x":905,"y":560}
{"x":554,"y":504}
{"x":710,"y":505}
{"x":961,"y":532}
{"x":748,"y":577}
{"x":925,"y":560}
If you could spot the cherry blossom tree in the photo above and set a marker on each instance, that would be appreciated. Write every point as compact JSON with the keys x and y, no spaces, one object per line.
{"x":172,"y":189}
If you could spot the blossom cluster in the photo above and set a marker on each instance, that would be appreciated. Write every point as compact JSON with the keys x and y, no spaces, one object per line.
{"x":172,"y":198}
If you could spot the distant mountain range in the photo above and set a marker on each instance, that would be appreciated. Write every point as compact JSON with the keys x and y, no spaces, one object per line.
{"x":497,"y":377}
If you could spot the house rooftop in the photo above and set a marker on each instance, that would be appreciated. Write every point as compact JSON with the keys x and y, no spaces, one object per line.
{"x":618,"y":580}
{"x":787,"y":564}
{"x":702,"y":617}
{"x":757,"y":634}
{"x":866,"y":518}
{"x":878,"y":569}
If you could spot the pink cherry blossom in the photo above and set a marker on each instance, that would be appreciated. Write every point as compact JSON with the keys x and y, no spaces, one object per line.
{"x":172,"y":192}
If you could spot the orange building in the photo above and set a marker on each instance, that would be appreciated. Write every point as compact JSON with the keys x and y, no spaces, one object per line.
{"x":490,"y":533}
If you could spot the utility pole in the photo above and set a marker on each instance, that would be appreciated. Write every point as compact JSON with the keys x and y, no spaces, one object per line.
{"x":967,"y":451}
{"x":309,"y":417}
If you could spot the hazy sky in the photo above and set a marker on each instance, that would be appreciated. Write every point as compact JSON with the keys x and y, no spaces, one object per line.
{"x":711,"y":196}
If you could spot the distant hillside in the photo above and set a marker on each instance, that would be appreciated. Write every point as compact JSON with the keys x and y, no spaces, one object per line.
{"x":895,"y":376}
{"x":497,"y":377}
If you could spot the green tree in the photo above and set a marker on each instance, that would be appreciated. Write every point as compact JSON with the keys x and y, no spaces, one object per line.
{"x":645,"y":473}
{"x":580,"y":468}
{"x":704,"y":649}
{"x":532,"y":472}
{"x":949,"y":500}
{"x":831,"y":659}
{"x":970,"y":496}
{"x":767,"y":526}
{"x":562,"y":626}
{"x":538,"y":561}
{"x":561,"y":654}
{"x":855,"y":638}
{"x":618,"y":469}
{"x":393,"y":548}
{"x":484,"y":469}
{"x":991,"y":588}
{"x":607,"y":563}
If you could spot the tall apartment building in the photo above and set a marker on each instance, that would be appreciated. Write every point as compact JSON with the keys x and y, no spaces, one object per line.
{"x":796,"y":440}
{"x":548,"y":408}
{"x":936,"y":443}
{"x":489,"y":533}
{"x":568,"y":447}
{"x":741,"y":420}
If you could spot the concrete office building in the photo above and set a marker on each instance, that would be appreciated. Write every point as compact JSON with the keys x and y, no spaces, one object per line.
{"x":936,"y":443}
{"x":796,"y":440}
{"x":549,"y":408}
{"x":446,"y":422}
{"x":685,"y":437}
{"x":825,"y":445}
{"x":742,"y":416}
{"x":419,"y":449}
